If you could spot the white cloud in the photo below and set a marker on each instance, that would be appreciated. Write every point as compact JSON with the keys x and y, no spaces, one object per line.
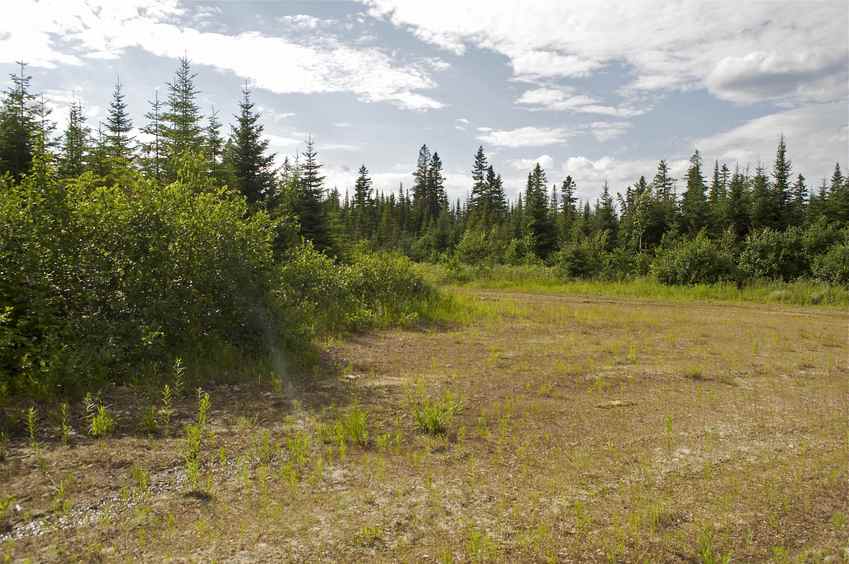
{"x":272,"y":115}
{"x":605,"y":131}
{"x":816,"y":135}
{"x":784,"y":48}
{"x":525,"y":165}
{"x":303,"y":21}
{"x":461,"y":124}
{"x":49,"y":33}
{"x":590,"y":175}
{"x":342,"y":124}
{"x":524,"y":136}
{"x":339,"y":147}
{"x":565,"y":99}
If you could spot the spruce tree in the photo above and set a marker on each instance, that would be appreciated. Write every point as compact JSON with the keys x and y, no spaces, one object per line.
{"x":362,"y":212}
{"x":153,"y":150}
{"x":538,"y":221}
{"x":763,"y":202}
{"x":478,"y":201}
{"x":437,"y":198}
{"x":247,"y":158}
{"x":664,"y":213}
{"x":605,"y":217}
{"x":837,"y":202}
{"x":781,"y":186}
{"x":496,"y":201}
{"x":73,"y":158}
{"x":308,"y":201}
{"x":119,"y":124}
{"x":738,"y":206}
{"x":214,"y":149}
{"x":798,"y":203}
{"x":421,"y":197}
{"x":182,"y":119}
{"x":694,"y":210}
{"x":17,"y":126}
{"x":568,"y":209}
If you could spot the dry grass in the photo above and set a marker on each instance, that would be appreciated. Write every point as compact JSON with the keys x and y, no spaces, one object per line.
{"x":590,"y":430}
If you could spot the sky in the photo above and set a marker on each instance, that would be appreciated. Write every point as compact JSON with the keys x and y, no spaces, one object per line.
{"x":593,"y":89}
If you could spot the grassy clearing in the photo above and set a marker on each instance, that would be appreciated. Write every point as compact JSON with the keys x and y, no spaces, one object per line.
{"x":545,"y":280}
{"x":528,"y":428}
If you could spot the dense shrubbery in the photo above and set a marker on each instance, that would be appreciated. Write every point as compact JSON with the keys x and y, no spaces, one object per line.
{"x":322,"y":296}
{"x":98,"y":282}
{"x":695,"y":261}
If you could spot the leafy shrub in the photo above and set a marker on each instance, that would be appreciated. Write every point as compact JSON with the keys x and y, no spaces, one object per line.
{"x":387,"y":287}
{"x":773,"y":255}
{"x":475,"y":247}
{"x":833,"y":266}
{"x":100,"y":279}
{"x":693,"y":261}
{"x":583,"y":258}
{"x":520,"y":251}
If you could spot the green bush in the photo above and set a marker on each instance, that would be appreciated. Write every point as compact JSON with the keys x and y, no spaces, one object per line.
{"x":833,"y":266}
{"x":583,"y":258}
{"x":693,"y":261}
{"x":773,"y":255}
{"x":320,"y":296}
{"x":95,"y":280}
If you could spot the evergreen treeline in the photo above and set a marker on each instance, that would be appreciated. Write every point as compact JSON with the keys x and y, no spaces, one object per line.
{"x":718,"y":224}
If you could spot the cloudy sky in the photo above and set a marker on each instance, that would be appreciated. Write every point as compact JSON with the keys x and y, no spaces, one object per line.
{"x":599,"y":90}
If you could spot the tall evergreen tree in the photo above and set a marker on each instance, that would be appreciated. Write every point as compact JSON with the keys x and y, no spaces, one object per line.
{"x":437,"y":197}
{"x":308,"y":202}
{"x":496,"y":200}
{"x":18,"y":124}
{"x":538,"y":221}
{"x":798,"y":203}
{"x":247,"y":157}
{"x":694,"y":210}
{"x":606,"y":221}
{"x":153,"y":149}
{"x":119,"y":124}
{"x":837,"y":200}
{"x":738,"y":206}
{"x":568,"y":207}
{"x":421,"y":196}
{"x":182,"y":130}
{"x":363,"y":205}
{"x":763,"y":202}
{"x":781,"y":186}
{"x":73,"y":158}
{"x":214,"y":144}
{"x":478,"y":201}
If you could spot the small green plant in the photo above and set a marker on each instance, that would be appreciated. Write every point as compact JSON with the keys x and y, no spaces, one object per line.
{"x":100,"y":421}
{"x":6,"y":504}
{"x":368,"y":536}
{"x":352,"y":427}
{"x":839,"y":520}
{"x":149,"y":423}
{"x":708,"y":553}
{"x":480,"y":547}
{"x":194,"y":436}
{"x":64,"y":422}
{"x":141,"y":479}
{"x":167,"y":409}
{"x":434,"y":416}
{"x":179,"y":372}
{"x":32,"y":427}
{"x":61,"y":502}
{"x":298,"y":446}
